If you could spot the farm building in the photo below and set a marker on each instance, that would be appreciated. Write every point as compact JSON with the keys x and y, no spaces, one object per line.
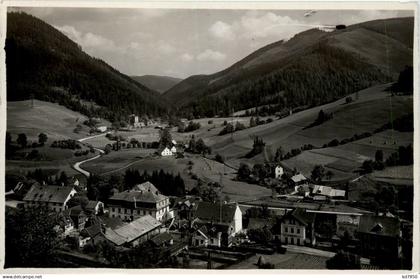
{"x":55,"y":197}
{"x":328,"y":191}
{"x":143,"y":199}
{"x":135,"y":232}
{"x":101,"y":129}
{"x":229,"y":215}
{"x":211,"y":235}
{"x":297,"y":227}
{"x":165,"y":152}
{"x":297,"y":179}
{"x":184,"y":208}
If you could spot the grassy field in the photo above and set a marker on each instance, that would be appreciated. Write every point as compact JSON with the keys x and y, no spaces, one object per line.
{"x":52,"y":119}
{"x":206,"y":169}
{"x":57,"y":160}
{"x":374,"y":108}
{"x":345,"y":160}
{"x":400,"y":175}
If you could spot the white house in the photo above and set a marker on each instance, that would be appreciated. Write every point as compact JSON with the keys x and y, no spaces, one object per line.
{"x":166,"y":152}
{"x":297,"y":227}
{"x":278,"y":172}
{"x":173,"y":149}
{"x":55,"y":197}
{"x":143,"y":199}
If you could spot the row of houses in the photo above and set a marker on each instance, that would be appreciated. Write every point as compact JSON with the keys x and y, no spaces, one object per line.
{"x":143,"y":213}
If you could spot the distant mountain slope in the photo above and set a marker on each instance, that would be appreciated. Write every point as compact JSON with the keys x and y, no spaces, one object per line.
{"x":45,"y":64}
{"x":157,"y":83}
{"x":312,"y":68}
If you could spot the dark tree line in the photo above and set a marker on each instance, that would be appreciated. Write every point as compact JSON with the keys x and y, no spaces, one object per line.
{"x":167,"y":183}
{"x":198,"y":146}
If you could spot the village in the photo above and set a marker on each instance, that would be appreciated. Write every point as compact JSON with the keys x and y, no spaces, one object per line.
{"x":197,"y":230}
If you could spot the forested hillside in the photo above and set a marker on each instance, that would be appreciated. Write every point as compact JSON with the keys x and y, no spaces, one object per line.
{"x":43,"y":63}
{"x":312,"y":68}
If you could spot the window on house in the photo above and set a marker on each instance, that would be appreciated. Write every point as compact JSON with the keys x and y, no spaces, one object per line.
{"x":285,"y":229}
{"x":297,"y":230}
{"x":292,"y":230}
{"x":298,"y":241}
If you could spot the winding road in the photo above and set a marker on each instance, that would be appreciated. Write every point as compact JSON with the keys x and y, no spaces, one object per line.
{"x":77,"y":167}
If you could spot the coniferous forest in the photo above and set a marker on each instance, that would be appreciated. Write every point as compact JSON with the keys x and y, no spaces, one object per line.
{"x":43,"y":63}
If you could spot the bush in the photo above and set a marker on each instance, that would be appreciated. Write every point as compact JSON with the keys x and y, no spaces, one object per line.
{"x":332,"y":143}
{"x":219,"y":158}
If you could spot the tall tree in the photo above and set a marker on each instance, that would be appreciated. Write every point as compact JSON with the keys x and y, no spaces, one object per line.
{"x":165,"y":138}
{"x":22,"y":140}
{"x":30,"y":238}
{"x":42,"y":138}
{"x":318,"y":173}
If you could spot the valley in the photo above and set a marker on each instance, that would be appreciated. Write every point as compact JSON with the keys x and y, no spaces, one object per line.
{"x":301,"y":150}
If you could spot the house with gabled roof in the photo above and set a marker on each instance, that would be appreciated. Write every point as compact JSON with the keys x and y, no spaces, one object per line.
{"x":380,"y":237}
{"x":143,"y":199}
{"x":297,"y":179}
{"x":223,"y":214}
{"x":54,"y":197}
{"x":165,"y":151}
{"x":297,"y":227}
{"x":78,"y":216}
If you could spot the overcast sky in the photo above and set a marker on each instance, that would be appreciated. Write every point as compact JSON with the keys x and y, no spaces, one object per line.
{"x":181,"y":43}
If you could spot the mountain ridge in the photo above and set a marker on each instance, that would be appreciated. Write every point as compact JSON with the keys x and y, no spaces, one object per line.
{"x":157,"y":82}
{"x":383,"y":59}
{"x":44,"y":63}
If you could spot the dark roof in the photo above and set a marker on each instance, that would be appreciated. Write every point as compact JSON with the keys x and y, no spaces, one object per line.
{"x":301,"y":215}
{"x":111,"y":222}
{"x":47,"y":193}
{"x":91,"y":205}
{"x":380,"y":225}
{"x":214,"y":229}
{"x":215,"y":212}
{"x":257,"y":223}
{"x":161,"y":238}
{"x":75,"y":211}
{"x":92,"y":231}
